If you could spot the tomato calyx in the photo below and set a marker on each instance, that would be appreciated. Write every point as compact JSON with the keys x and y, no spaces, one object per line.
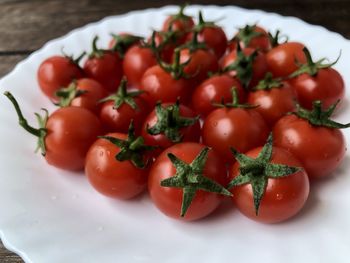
{"x":311,"y":67}
{"x":194,"y":44}
{"x":235,"y":102}
{"x":202,"y":23}
{"x":131,"y":149}
{"x":275,"y":39}
{"x":175,"y":69}
{"x":123,"y":96}
{"x":247,"y":33}
{"x":179,"y":16}
{"x":123,"y":42}
{"x":169,"y":122}
{"x":71,"y":58}
{"x":243,"y":65}
{"x":256,"y":172}
{"x":66,"y":95}
{"x":190,"y":178}
{"x":40,"y":132}
{"x":269,"y":83}
{"x":319,"y":117}
{"x":97,"y":52}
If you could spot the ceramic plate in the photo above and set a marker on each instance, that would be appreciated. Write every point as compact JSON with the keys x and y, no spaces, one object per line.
{"x":48,"y":215}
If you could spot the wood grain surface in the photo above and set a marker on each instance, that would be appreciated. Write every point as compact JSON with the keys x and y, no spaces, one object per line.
{"x":26,"y":25}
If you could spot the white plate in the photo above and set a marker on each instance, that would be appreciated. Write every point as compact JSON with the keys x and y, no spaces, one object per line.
{"x":47,"y":215}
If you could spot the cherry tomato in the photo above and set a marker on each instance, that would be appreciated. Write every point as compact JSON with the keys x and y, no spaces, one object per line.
{"x":320,"y":149}
{"x":165,"y":42}
{"x":65,"y":136}
{"x":57,"y":72}
{"x":215,"y":89}
{"x":112,"y":177}
{"x":170,"y":123}
{"x":281,"y":60}
{"x":84,"y":93}
{"x":201,"y":62}
{"x":120,"y":108}
{"x":274,"y":101}
{"x":169,"y":199}
{"x":259,"y":66}
{"x":160,"y":85}
{"x":241,"y":128}
{"x":254,"y":37}
{"x":105,"y":67}
{"x":136,"y":61}
{"x":283,"y":197}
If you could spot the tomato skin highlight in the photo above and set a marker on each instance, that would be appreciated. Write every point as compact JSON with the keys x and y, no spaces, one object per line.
{"x":283,"y":198}
{"x":213,"y":90}
{"x":110,"y":177}
{"x":169,"y":199}
{"x":94,"y":93}
{"x":71,"y":131}
{"x":239,"y":128}
{"x":319,"y":149}
{"x":106,"y":69}
{"x":274,"y":103}
{"x":281,"y":59}
{"x":159,"y":85}
{"x":118,"y":120}
{"x":55,"y":73}
{"x":136,"y":61}
{"x":190,"y":133}
{"x":327,"y":85}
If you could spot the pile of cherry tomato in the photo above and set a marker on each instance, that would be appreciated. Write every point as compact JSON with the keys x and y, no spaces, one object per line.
{"x":195,"y":118}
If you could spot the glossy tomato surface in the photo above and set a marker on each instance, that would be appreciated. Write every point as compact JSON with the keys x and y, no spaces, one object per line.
{"x":239,"y":128}
{"x":283,"y":198}
{"x":169,"y":199}
{"x":71,"y":131}
{"x":55,"y":73}
{"x":110,"y":177}
{"x":319,"y":149}
{"x":281,"y":60}
{"x":216,"y":89}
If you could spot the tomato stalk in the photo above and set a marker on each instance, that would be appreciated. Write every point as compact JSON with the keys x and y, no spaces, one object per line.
{"x":269,"y":83}
{"x":123,"y":42}
{"x":169,"y":122}
{"x":179,"y":16}
{"x":311,"y":67}
{"x":132,"y":148}
{"x":96,"y":52}
{"x":247,"y":33}
{"x":123,"y":96}
{"x":40,"y":132}
{"x":66,"y":95}
{"x":318,"y":117}
{"x":257,"y":171}
{"x":235,"y":102}
{"x":275,"y":39}
{"x":176,"y":69}
{"x":190,"y":178}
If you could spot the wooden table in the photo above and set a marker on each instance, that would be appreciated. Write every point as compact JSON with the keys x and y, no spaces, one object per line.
{"x":26,"y":25}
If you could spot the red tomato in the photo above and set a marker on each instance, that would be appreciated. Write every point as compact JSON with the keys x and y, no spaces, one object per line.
{"x":160,"y":85}
{"x":85,"y":93}
{"x":136,"y":61}
{"x":283,"y":198}
{"x":201,"y":62}
{"x":169,"y":199}
{"x":215,"y":89}
{"x":258,"y":71}
{"x":119,"y":109}
{"x":165,"y":42}
{"x":105,"y":67}
{"x":57,"y":72}
{"x":111,"y":177}
{"x":327,"y":85}
{"x":174,"y":131}
{"x":243,"y":129}
{"x":65,"y":137}
{"x":254,"y":37}
{"x":281,"y":59}
{"x":320,"y":149}
{"x":274,"y":102}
